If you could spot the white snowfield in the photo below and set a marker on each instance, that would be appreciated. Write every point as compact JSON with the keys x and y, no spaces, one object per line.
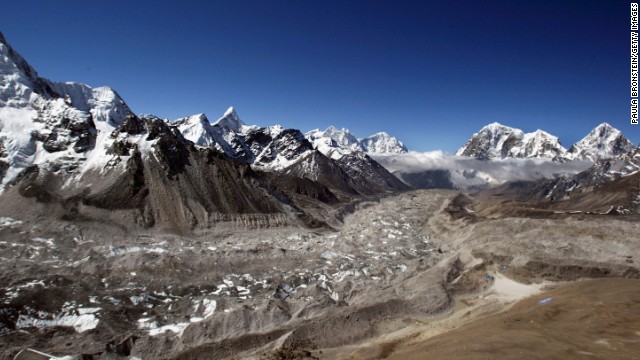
{"x":206,"y":306}
{"x":81,"y":319}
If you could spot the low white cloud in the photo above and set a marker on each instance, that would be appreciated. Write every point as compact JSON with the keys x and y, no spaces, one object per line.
{"x":492,"y":171}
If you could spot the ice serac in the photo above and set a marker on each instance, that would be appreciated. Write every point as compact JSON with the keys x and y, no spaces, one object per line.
{"x":382,"y":143}
{"x":497,"y":141}
{"x":603,"y":142}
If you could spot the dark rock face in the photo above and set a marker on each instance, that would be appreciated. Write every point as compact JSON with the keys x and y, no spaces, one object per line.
{"x":141,"y":171}
{"x":429,"y":179}
{"x":176,"y":185}
{"x":320,"y":168}
{"x":264,"y":147}
{"x":368,"y":176}
{"x":82,"y":134}
{"x":127,"y":192}
{"x":131,"y":125}
{"x":4,"y":166}
{"x":305,"y":187}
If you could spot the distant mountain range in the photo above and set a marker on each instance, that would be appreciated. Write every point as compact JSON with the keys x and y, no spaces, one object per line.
{"x":602,"y":156}
{"x":496,"y":141}
{"x":336,"y":143}
{"x":80,"y":152}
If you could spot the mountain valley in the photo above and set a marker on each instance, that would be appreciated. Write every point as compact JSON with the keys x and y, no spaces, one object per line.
{"x":129,"y":236}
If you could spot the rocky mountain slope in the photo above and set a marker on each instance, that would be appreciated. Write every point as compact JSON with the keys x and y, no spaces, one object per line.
{"x":610,"y":186}
{"x":276,"y":149}
{"x":81,"y":153}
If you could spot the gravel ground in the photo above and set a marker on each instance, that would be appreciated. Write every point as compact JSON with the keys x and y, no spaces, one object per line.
{"x":282,"y":292}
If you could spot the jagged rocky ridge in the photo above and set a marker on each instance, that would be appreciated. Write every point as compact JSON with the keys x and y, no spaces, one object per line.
{"x":80,"y":152}
{"x":288,"y":151}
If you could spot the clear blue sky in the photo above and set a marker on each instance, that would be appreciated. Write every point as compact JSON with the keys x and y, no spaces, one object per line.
{"x":429,"y":72}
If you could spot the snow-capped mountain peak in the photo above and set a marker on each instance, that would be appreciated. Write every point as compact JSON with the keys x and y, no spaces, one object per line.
{"x":382,"y":143}
{"x":495,"y":126}
{"x":64,"y":126}
{"x":332,"y":142}
{"x":230,"y":121}
{"x":336,"y":143}
{"x":604,"y":141}
{"x":20,"y":84}
{"x":199,"y":130}
{"x":492,"y":141}
{"x":342,"y":137}
{"x":499,"y":141}
{"x":540,"y":144}
{"x":104,"y":103}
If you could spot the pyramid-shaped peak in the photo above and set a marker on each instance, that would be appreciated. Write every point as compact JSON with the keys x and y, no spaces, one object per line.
{"x":603,"y":142}
{"x":605,"y":125}
{"x":231,"y":111}
{"x":230,"y":121}
{"x":604,"y":130}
